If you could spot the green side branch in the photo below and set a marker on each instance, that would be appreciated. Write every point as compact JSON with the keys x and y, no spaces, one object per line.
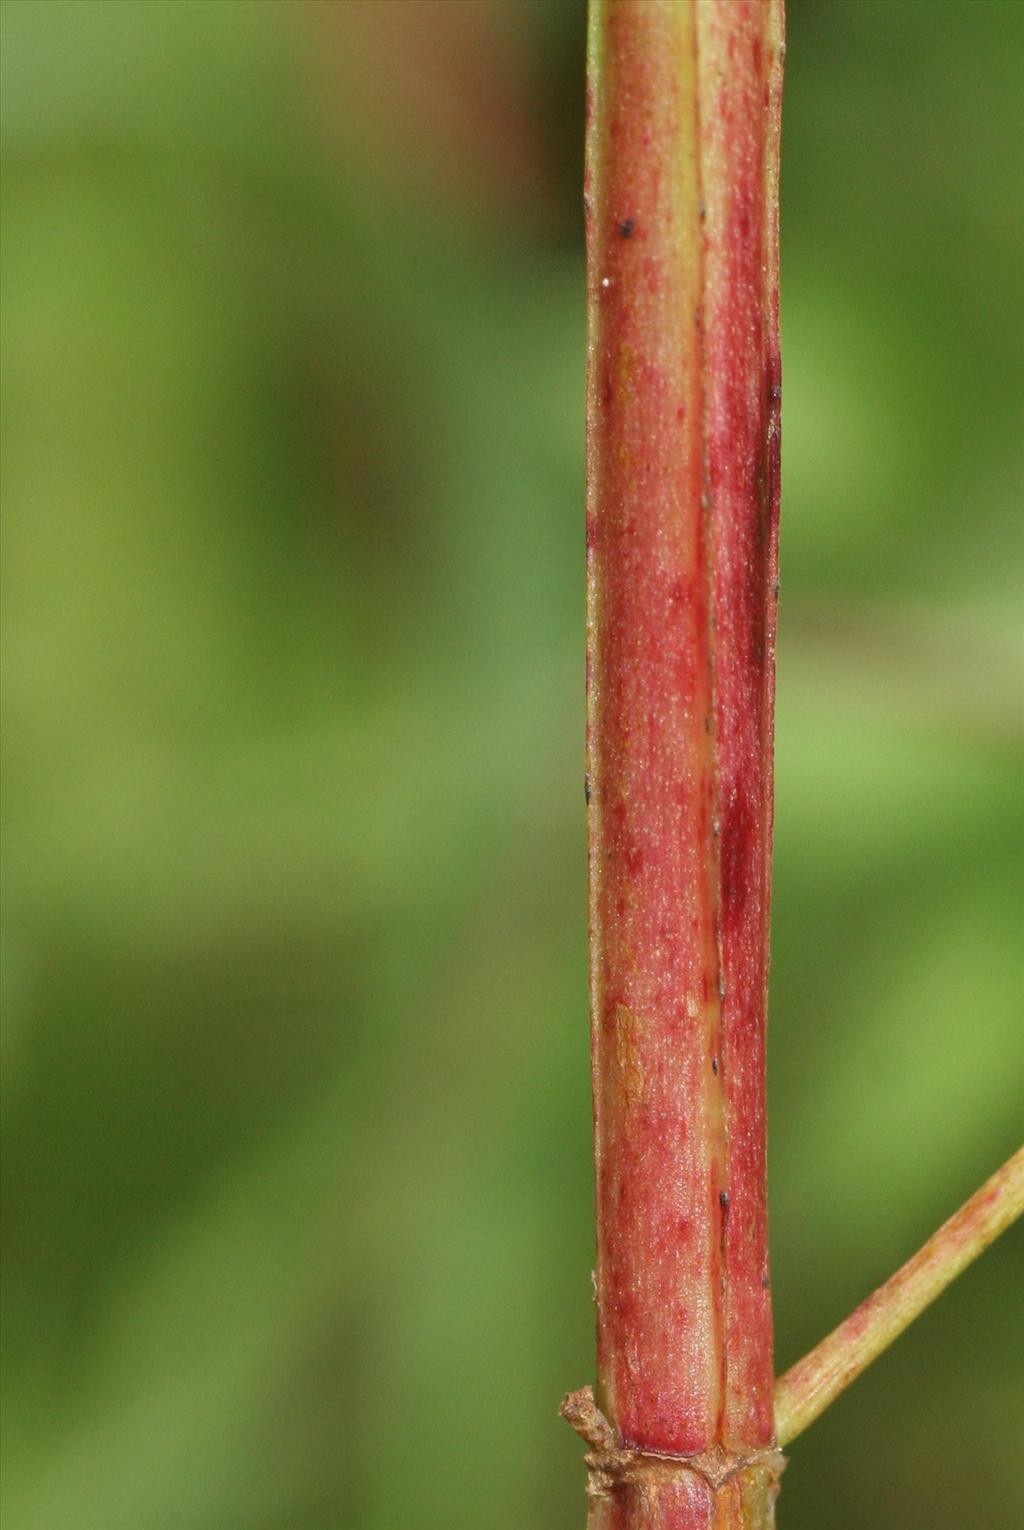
{"x":806,"y":1390}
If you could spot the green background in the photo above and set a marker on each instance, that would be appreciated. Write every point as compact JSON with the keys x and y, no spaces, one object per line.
{"x":298,"y":1215}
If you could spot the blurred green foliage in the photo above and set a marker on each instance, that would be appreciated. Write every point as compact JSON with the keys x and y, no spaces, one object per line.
{"x":297,"y":1180}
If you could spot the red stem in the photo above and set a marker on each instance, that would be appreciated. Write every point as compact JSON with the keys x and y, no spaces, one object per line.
{"x":682,"y":515}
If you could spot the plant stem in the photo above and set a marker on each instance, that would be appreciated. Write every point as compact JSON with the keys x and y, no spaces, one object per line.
{"x":682,"y":516}
{"x":807,"y":1389}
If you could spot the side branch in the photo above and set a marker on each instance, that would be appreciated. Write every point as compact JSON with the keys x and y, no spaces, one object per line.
{"x":815,"y":1381}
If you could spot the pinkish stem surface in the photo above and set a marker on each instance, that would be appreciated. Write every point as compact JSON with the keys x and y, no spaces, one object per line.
{"x":682,"y":518}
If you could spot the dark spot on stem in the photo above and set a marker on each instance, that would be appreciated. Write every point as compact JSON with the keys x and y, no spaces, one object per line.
{"x":587,"y":789}
{"x":723,"y":1199}
{"x":714,"y":1066}
{"x":626,"y":227}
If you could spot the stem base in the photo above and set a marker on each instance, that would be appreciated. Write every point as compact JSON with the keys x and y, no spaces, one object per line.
{"x":713,"y":1490}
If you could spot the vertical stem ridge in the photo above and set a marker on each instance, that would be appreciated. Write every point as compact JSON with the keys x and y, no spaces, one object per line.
{"x":717,"y":1106}
{"x":740,"y":45}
